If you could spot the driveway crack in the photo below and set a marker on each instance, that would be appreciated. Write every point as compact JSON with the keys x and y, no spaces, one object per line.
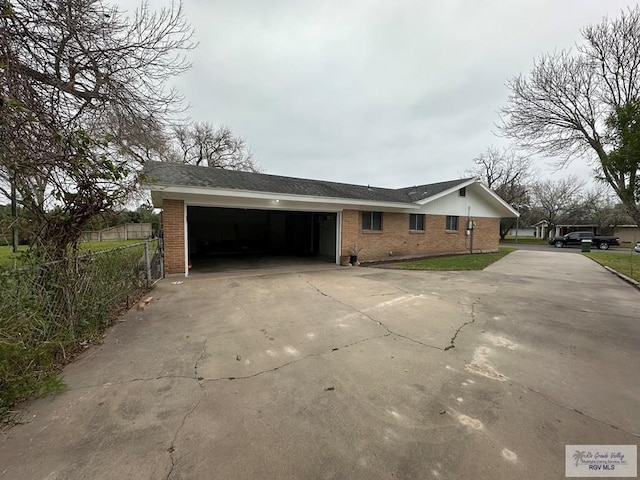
{"x":452,"y":343}
{"x":573,"y":409}
{"x":202,"y":353}
{"x":298,"y":360}
{"x":370,"y":318}
{"x":172,"y":447}
{"x":131,"y":380}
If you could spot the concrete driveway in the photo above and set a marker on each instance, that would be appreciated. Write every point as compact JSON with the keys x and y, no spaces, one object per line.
{"x":572,"y":249}
{"x":361,"y":373}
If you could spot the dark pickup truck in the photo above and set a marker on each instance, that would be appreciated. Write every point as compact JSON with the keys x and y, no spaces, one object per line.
{"x":575,"y":239}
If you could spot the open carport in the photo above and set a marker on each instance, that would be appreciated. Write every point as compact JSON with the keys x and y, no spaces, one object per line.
{"x":222,"y":235}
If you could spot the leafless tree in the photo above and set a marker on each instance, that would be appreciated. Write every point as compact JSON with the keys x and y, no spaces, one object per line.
{"x":200,"y":143}
{"x":575,"y":104}
{"x":508,"y":174}
{"x":557,"y":201}
{"x":83,"y":101}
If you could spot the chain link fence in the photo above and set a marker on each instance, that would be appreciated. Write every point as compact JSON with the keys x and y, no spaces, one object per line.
{"x":51,"y":311}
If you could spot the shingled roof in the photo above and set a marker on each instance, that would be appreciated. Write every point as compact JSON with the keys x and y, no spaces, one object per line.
{"x":172,"y":174}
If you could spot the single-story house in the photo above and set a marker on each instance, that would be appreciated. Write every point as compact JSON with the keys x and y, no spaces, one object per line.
{"x":525,"y":231}
{"x":208,"y":211}
{"x":627,"y":233}
{"x":544,"y":230}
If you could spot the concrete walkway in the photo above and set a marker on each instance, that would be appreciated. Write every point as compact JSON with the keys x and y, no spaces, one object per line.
{"x":358,"y":373}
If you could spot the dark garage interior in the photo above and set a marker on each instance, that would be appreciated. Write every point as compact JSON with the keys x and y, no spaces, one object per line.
{"x":216,"y":234}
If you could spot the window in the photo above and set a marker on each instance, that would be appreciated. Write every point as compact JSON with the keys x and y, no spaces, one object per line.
{"x":371,"y":220}
{"x":463,"y":192}
{"x":416,"y":221}
{"x":452,"y":223}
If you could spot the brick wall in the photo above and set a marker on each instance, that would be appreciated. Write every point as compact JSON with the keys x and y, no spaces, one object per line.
{"x":395,"y":236}
{"x":173,"y":229}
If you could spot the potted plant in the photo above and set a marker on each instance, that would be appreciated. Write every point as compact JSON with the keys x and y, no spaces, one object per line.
{"x":353,"y":260}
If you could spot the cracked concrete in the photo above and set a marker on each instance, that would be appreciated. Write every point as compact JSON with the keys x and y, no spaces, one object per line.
{"x":452,"y":344}
{"x":349,"y":373}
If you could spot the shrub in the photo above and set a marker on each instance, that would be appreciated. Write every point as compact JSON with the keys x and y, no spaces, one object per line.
{"x":51,"y":311}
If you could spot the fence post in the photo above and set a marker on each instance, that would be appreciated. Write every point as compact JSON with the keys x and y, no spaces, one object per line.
{"x":147,"y":262}
{"x":161,"y":255}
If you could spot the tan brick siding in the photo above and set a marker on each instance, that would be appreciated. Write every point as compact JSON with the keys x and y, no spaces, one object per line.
{"x":173,"y":229}
{"x":395,"y":237}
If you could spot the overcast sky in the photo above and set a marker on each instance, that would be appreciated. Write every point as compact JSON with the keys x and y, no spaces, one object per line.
{"x":388,"y":93}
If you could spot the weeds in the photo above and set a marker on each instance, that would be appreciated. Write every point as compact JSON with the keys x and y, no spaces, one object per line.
{"x":49,"y":312}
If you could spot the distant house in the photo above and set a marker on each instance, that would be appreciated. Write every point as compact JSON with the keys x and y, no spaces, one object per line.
{"x":208,"y":211}
{"x":563,"y":229}
{"x":627,"y":233}
{"x":525,"y":231}
{"x":544,"y":230}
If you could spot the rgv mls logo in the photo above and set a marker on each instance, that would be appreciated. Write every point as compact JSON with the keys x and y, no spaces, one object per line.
{"x":601,"y":461}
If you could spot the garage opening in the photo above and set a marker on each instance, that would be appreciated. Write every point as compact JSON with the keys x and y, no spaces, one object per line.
{"x":254,"y":237}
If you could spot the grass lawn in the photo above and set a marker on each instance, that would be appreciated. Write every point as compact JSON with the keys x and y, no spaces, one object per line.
{"x":623,"y":263}
{"x":7,"y":257}
{"x":526,"y":240}
{"x":477,"y":261}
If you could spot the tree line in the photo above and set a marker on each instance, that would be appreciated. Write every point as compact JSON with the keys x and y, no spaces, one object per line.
{"x":558,"y":201}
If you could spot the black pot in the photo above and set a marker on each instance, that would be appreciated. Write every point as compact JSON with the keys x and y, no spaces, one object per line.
{"x":353,"y":259}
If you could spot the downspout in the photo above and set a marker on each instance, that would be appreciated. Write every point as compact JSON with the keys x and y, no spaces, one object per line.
{"x":338,"y":236}
{"x":186,"y":242}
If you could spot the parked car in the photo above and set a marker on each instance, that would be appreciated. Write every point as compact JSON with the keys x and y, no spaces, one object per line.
{"x":637,"y":247}
{"x":575,"y":239}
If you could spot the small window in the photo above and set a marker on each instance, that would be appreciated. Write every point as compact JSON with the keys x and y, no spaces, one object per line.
{"x":462,"y":192}
{"x":452,"y":223}
{"x":416,"y":221}
{"x":371,"y":220}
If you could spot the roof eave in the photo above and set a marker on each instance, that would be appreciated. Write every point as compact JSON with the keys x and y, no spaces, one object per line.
{"x":495,"y":196}
{"x":252,"y":194}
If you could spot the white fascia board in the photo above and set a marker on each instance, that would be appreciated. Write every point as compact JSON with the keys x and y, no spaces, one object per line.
{"x":483,"y":189}
{"x":178,"y":191}
{"x":497,"y":198}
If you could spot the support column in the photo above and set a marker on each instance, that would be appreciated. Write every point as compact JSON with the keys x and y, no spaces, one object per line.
{"x":173,"y":227}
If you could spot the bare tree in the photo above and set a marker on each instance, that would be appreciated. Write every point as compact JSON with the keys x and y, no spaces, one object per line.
{"x":583,"y":104}
{"x":200,"y":143}
{"x":557,"y":201}
{"x":82,"y":102}
{"x":508,"y":174}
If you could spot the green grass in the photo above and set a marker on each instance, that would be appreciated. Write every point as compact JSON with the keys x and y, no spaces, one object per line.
{"x":628,"y":264}
{"x":478,"y":261}
{"x":8,"y":258}
{"x":526,"y":241}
